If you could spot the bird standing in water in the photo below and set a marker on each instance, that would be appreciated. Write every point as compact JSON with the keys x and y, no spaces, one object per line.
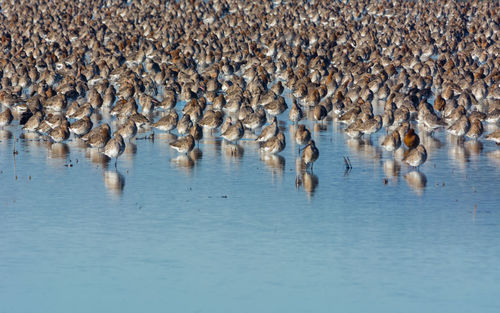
{"x":115,"y":147}
{"x":416,"y":157}
{"x":310,"y":154}
{"x":183,"y":144}
{"x":411,"y":139}
{"x":302,"y":136}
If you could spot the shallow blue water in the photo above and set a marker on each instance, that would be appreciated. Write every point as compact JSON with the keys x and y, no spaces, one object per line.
{"x":230,"y":231}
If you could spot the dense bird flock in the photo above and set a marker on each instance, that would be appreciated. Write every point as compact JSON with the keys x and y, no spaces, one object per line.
{"x":190,"y":67}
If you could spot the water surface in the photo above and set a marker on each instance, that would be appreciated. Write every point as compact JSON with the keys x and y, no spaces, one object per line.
{"x":231,"y":230}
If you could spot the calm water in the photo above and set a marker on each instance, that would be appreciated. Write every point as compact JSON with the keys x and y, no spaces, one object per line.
{"x":228,"y":230}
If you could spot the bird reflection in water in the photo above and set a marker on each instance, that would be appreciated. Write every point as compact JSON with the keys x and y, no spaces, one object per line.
{"x":473,"y":148}
{"x":30,"y":136}
{"x":399,"y":154}
{"x":97,"y":157}
{"x":431,"y":144}
{"x":5,"y":134}
{"x":249,"y":135}
{"x":129,"y":153}
{"x":184,"y":163}
{"x":392,"y":169}
{"x":232,"y":152}
{"x":494,"y":157}
{"x":291,"y":132}
{"x":458,"y":155}
{"x":365,"y":149}
{"x":114,"y":182}
{"x":454,"y":140}
{"x":57,"y":153}
{"x":275,"y":164}
{"x":32,"y":143}
{"x":130,"y":149}
{"x":196,"y":154}
{"x":305,"y":179}
{"x":211,"y":147}
{"x":78,"y":143}
{"x":417,"y":181}
{"x":164,"y":139}
{"x":309,"y":182}
{"x":319,"y":128}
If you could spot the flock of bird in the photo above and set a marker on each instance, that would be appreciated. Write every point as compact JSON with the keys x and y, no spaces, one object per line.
{"x":225,"y":66}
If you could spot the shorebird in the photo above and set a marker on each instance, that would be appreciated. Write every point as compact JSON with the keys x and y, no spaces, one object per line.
{"x":184,"y":124}
{"x":387,"y":118}
{"x":372,"y":125}
{"x":56,"y":103}
{"x":455,"y":115}
{"x":295,"y":114}
{"x":411,"y":139}
{"x":460,"y":127}
{"x":81,"y":127}
{"x":245,"y":111}
{"x":401,"y":115}
{"x":139,"y":120}
{"x":50,"y":122}
{"x":109,"y":97}
{"x":350,"y":116}
{"x":493,"y":116}
{"x":114,"y":147}
{"x":269,"y":131}
{"x":98,"y":137}
{"x":302,"y":135}
{"x":168,"y":122}
{"x":416,"y":157}
{"x":276,"y":107}
{"x":127,"y":131}
{"x":81,"y":112}
{"x":211,"y":120}
{"x":475,"y":130}
{"x":319,"y":112}
{"x":354,"y":130}
{"x":234,"y":132}
{"x":255,"y":120}
{"x":392,"y":141}
{"x":147,"y":103}
{"x":5,"y":118}
{"x":196,"y":132}
{"x":275,"y":144}
{"x":60,"y":133}
{"x":278,"y":88}
{"x":33,"y":122}
{"x":439,"y":103}
{"x":494,"y":136}
{"x":183,"y":144}
{"x":227,"y":123}
{"x":310,"y":154}
{"x":312,"y":98}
